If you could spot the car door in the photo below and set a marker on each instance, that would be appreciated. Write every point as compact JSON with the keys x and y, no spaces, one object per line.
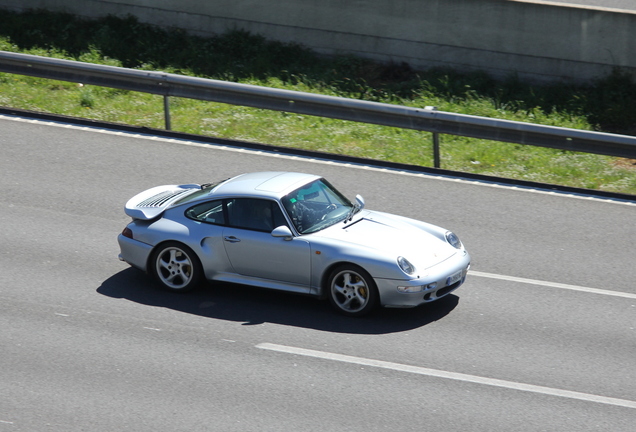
{"x":253,"y":251}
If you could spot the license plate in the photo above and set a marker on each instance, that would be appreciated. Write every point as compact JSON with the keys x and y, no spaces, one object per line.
{"x":454,"y":278}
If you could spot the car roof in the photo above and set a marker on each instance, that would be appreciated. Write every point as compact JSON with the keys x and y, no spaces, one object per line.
{"x":271,"y":184}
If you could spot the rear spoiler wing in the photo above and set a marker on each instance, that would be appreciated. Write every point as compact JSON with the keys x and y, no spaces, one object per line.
{"x":152,"y":202}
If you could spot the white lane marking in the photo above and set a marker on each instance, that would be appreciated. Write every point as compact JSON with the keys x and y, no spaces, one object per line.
{"x":449,"y":375}
{"x":280,"y":155}
{"x":6,"y":422}
{"x":553,"y":284}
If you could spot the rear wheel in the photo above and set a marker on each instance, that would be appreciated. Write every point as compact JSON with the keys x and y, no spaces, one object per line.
{"x":176,"y":267}
{"x":352,"y":291}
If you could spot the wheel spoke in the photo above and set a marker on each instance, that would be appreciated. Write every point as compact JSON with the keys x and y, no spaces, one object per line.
{"x":163,"y":264}
{"x":359,"y":286}
{"x":340,"y":289}
{"x":173,"y":255}
{"x":170,"y":278}
{"x":347,"y":304}
{"x":358,"y":299}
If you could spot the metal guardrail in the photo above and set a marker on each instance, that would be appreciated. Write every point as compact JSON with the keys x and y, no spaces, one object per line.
{"x":424,"y":119}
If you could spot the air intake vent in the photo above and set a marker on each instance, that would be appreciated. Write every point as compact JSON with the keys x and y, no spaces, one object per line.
{"x":161,"y":198}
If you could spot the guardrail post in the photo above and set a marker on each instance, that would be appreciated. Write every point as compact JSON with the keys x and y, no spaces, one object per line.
{"x":436,"y":158}
{"x":166,"y":112}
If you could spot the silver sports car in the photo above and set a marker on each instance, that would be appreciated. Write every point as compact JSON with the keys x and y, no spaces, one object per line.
{"x":293,"y":232}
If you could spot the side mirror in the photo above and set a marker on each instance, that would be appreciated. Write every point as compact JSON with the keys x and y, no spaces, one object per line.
{"x":360,"y":201}
{"x":283,"y":231}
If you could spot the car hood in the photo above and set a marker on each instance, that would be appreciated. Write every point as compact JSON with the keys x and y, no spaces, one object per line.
{"x":392,"y":237}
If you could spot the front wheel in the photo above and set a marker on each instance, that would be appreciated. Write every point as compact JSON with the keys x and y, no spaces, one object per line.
{"x":352,"y":291}
{"x":176,"y":267}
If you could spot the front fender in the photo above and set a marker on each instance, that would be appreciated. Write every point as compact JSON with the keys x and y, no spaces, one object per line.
{"x":325,"y":257}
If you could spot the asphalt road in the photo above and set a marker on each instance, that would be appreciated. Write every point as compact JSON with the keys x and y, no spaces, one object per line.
{"x":542,"y":337}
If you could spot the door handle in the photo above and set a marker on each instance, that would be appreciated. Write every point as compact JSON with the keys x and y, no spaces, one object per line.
{"x":231,"y":239}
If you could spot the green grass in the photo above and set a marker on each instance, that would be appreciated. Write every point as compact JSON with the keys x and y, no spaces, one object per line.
{"x":607,"y":105}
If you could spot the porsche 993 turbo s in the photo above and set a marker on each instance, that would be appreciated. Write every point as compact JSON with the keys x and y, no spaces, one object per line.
{"x":293,"y":232}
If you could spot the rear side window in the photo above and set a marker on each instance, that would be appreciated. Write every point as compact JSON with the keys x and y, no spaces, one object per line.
{"x":209,"y":212}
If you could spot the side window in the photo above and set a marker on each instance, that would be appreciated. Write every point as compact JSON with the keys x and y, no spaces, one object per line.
{"x":210,"y":212}
{"x":254,"y":214}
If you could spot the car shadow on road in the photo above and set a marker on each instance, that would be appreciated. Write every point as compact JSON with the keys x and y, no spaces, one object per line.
{"x":252,"y":306}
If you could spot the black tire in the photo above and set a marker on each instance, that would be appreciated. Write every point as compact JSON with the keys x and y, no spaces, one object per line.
{"x":176,"y":267}
{"x":352,"y":291}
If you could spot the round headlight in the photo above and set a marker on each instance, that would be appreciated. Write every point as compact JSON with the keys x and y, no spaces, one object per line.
{"x":453,"y":240}
{"x":405,"y":265}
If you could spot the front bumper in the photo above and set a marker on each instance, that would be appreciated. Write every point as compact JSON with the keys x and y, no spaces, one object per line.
{"x":440,"y":276}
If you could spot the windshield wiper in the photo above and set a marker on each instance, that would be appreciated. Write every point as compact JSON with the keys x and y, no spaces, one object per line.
{"x":355,"y":209}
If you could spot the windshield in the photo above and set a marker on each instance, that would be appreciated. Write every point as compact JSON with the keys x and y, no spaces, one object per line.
{"x":316,"y":206}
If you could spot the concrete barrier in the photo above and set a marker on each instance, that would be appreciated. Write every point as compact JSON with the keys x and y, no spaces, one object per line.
{"x":537,"y":41}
